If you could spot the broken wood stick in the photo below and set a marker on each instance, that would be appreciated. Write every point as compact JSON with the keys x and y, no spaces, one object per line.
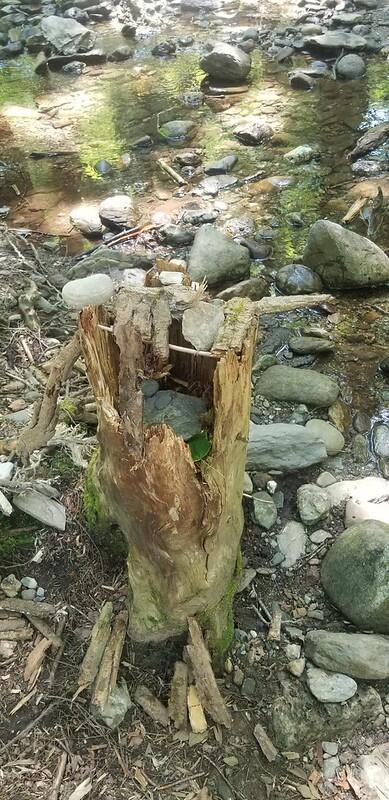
{"x":354,"y":210}
{"x":197,"y":720}
{"x":281,"y":304}
{"x":45,"y":630}
{"x":58,"y":655}
{"x":110,"y":662}
{"x":45,"y":417}
{"x":274,"y":633}
{"x":172,"y":172}
{"x":101,"y":632}
{"x":206,"y":685}
{"x":42,"y":610}
{"x":35,"y":659}
{"x":151,"y":705}
{"x":177,"y":706}
{"x":266,"y":745}
{"x":54,"y":793}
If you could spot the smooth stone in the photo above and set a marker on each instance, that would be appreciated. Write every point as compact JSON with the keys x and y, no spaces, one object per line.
{"x":336,"y":41}
{"x":213,"y":184}
{"x":86,"y":219}
{"x":67,"y":35}
{"x":201,"y":324}
{"x":296,"y":667}
{"x":183,"y":413}
{"x":354,"y":574}
{"x":300,"y":80}
{"x":10,"y":585}
{"x":350,"y":67}
{"x":253,"y":131}
{"x":310,"y":344}
{"x":332,"y":438}
{"x":94,"y":290}
{"x":224,"y":164}
{"x":28,"y":594}
{"x":258,"y":250}
{"x":226,"y":62}
{"x":122,"y":53}
{"x":291,"y":543}
{"x":330,"y":767}
{"x":313,"y":503}
{"x":149,"y":387}
{"x":330,"y":748}
{"x":29,"y":583}
{"x":361,"y":510}
{"x":176,"y":235}
{"x":325,"y":479}
{"x":298,"y":279}
{"x":118,"y":212}
{"x":330,"y":687}
{"x":253,"y":288}
{"x":298,"y":720}
{"x":318,"y":537}
{"x":44,"y":509}
{"x":264,"y":510}
{"x":105,"y":260}
{"x":344,"y":259}
{"x":282,"y":446}
{"x":215,"y":257}
{"x":360,"y":448}
{"x":360,"y":655}
{"x":6,"y":471}
{"x":371,"y":489}
{"x":264,"y":362}
{"x":301,"y":155}
{"x":297,"y":386}
{"x":177,"y":131}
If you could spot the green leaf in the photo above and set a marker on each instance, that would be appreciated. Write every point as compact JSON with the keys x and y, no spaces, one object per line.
{"x":200,"y":445}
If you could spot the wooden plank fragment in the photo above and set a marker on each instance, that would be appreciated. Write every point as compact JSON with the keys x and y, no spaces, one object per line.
{"x":12,"y":624}
{"x":20,"y":635}
{"x":206,"y":685}
{"x":110,"y":662}
{"x":177,"y":707}
{"x":197,"y":720}
{"x":266,"y":745}
{"x":101,"y":632}
{"x":151,"y":705}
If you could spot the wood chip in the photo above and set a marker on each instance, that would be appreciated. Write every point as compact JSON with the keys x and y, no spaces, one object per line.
{"x":266,"y":745}
{"x":46,"y":631}
{"x":22,"y":702}
{"x":197,"y":720}
{"x":110,"y":662}
{"x":206,"y":685}
{"x":151,"y":705}
{"x":177,"y":707}
{"x":82,"y":790}
{"x":140,"y":778}
{"x":274,"y":633}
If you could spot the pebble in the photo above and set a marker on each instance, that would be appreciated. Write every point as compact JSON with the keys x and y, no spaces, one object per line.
{"x":313,"y":503}
{"x":296,"y":667}
{"x":325,"y":479}
{"x":29,"y":583}
{"x":330,"y":687}
{"x":264,"y":509}
{"x":238,"y":677}
{"x":319,"y":536}
{"x":330,"y":767}
{"x":10,"y":585}
{"x":249,"y":687}
{"x":28,"y":594}
{"x":228,"y":666}
{"x":40,"y":593}
{"x":331,"y":748}
{"x":293,"y":651}
{"x":17,"y":405}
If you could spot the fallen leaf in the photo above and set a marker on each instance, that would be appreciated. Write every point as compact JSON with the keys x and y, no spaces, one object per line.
{"x":82,"y":790}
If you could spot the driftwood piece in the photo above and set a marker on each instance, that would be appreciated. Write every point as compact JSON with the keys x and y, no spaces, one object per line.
{"x":110,"y":662}
{"x":206,"y":685}
{"x":266,"y":745}
{"x":165,"y":167}
{"x":197,"y":720}
{"x":178,"y":709}
{"x":280,"y":305}
{"x":370,"y":140}
{"x":21,"y":635}
{"x":101,"y":632}
{"x":354,"y":210}
{"x":28,"y":607}
{"x":45,"y":417}
{"x":151,"y":705}
{"x":274,"y":633}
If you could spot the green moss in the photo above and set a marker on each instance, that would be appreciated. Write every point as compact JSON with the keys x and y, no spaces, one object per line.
{"x":67,"y":410}
{"x":62,"y":464}
{"x":219,"y":621}
{"x":92,"y":500}
{"x":17,"y":534}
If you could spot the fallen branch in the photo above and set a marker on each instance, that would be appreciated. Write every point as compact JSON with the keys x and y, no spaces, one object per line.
{"x":172,"y":172}
{"x":59,"y":777}
{"x":45,"y":417}
{"x":20,"y":635}
{"x":151,"y":705}
{"x":266,"y":745}
{"x":206,"y":685}
{"x":354,"y":210}
{"x":110,"y":662}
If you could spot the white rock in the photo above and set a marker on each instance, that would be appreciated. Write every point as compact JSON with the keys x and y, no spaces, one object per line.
{"x":85,"y":218}
{"x":361,"y":510}
{"x":370,"y":489}
{"x":134,"y":277}
{"x":201,"y":323}
{"x":291,"y":543}
{"x":331,"y":748}
{"x":171,"y":278}
{"x":293,"y":651}
{"x":332,"y":438}
{"x":374,"y":772}
{"x":94,"y":290}
{"x":320,"y":536}
{"x":296,"y":667}
{"x":42,"y":508}
{"x":5,"y":505}
{"x":330,"y":687}
{"x":29,"y":583}
{"x":6,"y":470}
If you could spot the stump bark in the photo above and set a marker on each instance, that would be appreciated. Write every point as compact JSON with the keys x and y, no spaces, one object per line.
{"x":182,"y":520}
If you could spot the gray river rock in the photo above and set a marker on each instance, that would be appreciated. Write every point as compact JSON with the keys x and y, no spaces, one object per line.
{"x":67,"y":35}
{"x":218,"y":259}
{"x":297,"y":386}
{"x":226,"y":63}
{"x":360,"y":655}
{"x":283,"y":446}
{"x":344,"y":259}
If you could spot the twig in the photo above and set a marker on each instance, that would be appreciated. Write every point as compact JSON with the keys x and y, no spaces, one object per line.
{"x":186,"y":779}
{"x":260,"y":617}
{"x":172,"y":172}
{"x":275,"y":625}
{"x":191,"y":352}
{"x":59,"y":776}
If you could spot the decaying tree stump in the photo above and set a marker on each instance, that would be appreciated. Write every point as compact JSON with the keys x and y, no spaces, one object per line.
{"x":182,"y":520}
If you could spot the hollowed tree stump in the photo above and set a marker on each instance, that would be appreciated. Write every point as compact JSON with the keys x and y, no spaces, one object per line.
{"x":182,"y":520}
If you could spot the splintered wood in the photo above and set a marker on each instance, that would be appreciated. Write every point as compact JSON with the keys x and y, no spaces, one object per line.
{"x":207,"y":688}
{"x":110,"y":662}
{"x":100,"y":634}
{"x":178,"y":709}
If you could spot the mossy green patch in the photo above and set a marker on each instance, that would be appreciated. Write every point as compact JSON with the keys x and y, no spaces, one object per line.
{"x":17,"y":534}
{"x":219,"y":621}
{"x":106,"y":535}
{"x":67,"y":410}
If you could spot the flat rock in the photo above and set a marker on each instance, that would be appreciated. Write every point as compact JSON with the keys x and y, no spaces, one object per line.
{"x":264,"y":510}
{"x":344,"y":259}
{"x":330,"y":687}
{"x":253,"y":288}
{"x":221,"y":166}
{"x":298,"y":279}
{"x":335,"y":41}
{"x":301,"y":80}
{"x":177,"y":131}
{"x":213,"y":184}
{"x":118,"y":212}
{"x":183,"y":413}
{"x":42,"y":508}
{"x":373,"y":774}
{"x":371,"y":489}
{"x":108,"y":261}
{"x":301,"y":155}
{"x":215,"y":257}
{"x":227,"y":63}
{"x":283,"y":446}
{"x":313,"y":503}
{"x":94,"y":290}
{"x":201,"y":323}
{"x":332,"y":438}
{"x":291,"y":542}
{"x":253,"y":131}
{"x":297,"y":386}
{"x":361,"y":510}
{"x":360,"y":655}
{"x":355,"y":573}
{"x":67,"y":35}
{"x":297,"y":719}
{"x":310,"y":344}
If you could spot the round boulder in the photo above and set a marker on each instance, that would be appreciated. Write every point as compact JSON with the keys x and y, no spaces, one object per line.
{"x":350,"y":67}
{"x":355,"y":575}
{"x":332,"y":438}
{"x":226,"y":63}
{"x":297,"y":279}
